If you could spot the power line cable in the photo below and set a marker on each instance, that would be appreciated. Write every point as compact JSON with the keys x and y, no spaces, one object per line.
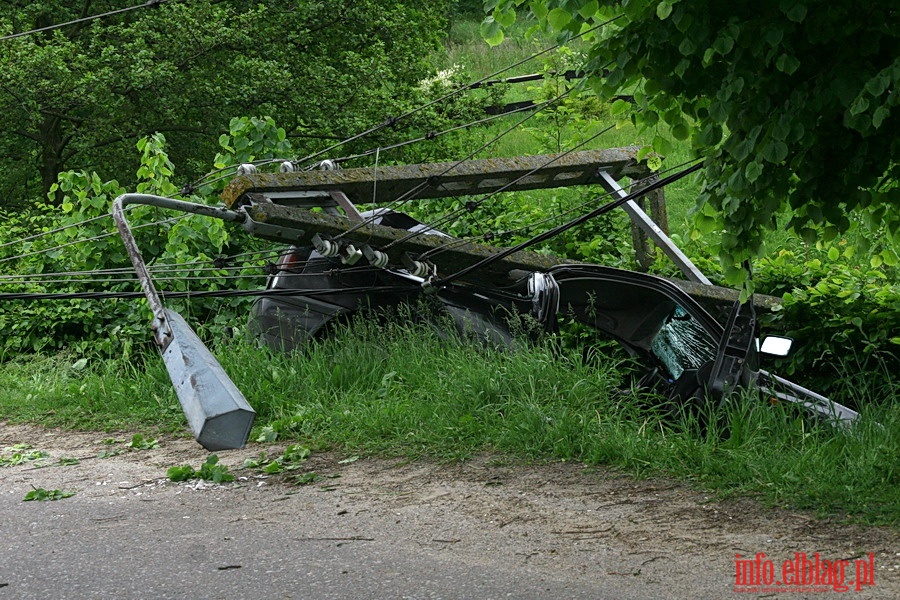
{"x":476,"y":203}
{"x":90,"y":239}
{"x":52,"y":231}
{"x":209,"y":293}
{"x":149,"y":3}
{"x":550,"y":219}
{"x":407,"y":196}
{"x":566,"y":226}
{"x":433,"y":135}
{"x":391,"y":121}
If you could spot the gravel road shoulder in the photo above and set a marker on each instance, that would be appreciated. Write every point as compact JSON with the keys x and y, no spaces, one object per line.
{"x":571,"y":530}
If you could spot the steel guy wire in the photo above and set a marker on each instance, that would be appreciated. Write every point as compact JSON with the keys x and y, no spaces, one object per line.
{"x":631,"y":186}
{"x":566,"y":226}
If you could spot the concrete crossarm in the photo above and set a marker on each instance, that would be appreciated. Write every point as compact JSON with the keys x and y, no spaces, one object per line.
{"x":449,"y":254}
{"x":438,"y":180}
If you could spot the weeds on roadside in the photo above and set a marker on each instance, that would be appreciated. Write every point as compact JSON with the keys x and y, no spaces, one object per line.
{"x":401,"y":389}
{"x":42,"y":495}
{"x":210,"y":470}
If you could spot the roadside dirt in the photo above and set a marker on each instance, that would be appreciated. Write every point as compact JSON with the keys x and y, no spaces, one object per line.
{"x":586,"y":524}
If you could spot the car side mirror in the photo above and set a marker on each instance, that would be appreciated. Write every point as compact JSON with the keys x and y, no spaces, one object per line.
{"x":776,"y":346}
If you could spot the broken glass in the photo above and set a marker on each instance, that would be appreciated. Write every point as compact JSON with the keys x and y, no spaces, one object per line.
{"x":682,"y":343}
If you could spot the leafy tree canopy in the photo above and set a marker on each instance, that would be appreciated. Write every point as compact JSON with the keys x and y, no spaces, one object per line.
{"x":78,"y":97}
{"x":792,"y":103}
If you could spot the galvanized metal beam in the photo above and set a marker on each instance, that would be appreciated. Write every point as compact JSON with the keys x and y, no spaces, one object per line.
{"x":653,"y":231}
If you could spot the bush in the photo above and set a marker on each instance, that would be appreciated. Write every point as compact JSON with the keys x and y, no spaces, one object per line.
{"x":847,"y":319}
{"x":190,"y":243}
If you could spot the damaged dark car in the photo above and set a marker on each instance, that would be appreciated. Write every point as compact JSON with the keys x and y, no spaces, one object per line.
{"x":684,"y":353}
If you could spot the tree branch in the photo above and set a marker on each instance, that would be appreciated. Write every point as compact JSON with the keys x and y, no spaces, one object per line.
{"x":134,"y":134}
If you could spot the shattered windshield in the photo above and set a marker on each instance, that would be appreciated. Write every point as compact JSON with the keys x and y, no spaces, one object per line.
{"x":682,"y":343}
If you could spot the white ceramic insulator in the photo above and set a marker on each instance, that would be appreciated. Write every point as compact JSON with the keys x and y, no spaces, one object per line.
{"x":421,"y":269}
{"x":351,"y":255}
{"x":380,"y":259}
{"x":328,"y":249}
{"x":246,"y":169}
{"x":286,"y":167}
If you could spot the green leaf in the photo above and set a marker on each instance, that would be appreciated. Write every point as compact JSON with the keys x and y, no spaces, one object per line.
{"x":538,"y":9}
{"x":661,"y":145}
{"x":618,"y":107}
{"x":139,"y":442}
{"x":889,"y":257}
{"x":267,"y":434}
{"x":649,"y":118}
{"x":42,"y":495}
{"x":663,"y":10}
{"x":775,"y":151}
{"x":505,"y":18}
{"x":723,"y":44}
{"x":881,"y":113}
{"x":773,"y":36}
{"x":752,"y":171}
{"x":680,"y":131}
{"x":559,"y":18}
{"x":787,"y":64}
{"x":687,"y":46}
{"x":491,"y":31}
{"x":589,"y":9}
{"x":182,"y":473}
{"x":307,"y":478}
{"x":859,"y":105}
{"x":795,"y":13}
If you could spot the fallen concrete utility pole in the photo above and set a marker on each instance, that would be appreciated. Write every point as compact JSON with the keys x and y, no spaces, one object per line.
{"x":277,"y":206}
{"x":217,"y":412}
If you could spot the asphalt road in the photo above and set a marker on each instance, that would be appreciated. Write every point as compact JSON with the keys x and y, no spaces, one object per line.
{"x":176,"y":544}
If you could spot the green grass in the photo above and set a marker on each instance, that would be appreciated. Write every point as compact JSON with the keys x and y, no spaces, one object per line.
{"x":408,"y":391}
{"x":106,"y":394}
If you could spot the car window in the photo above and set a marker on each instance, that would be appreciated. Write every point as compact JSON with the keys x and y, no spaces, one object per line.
{"x":682,"y":343}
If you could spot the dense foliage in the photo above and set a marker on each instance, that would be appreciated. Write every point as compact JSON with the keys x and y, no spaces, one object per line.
{"x":838,"y":300}
{"x":80,"y":96}
{"x":793,"y":103}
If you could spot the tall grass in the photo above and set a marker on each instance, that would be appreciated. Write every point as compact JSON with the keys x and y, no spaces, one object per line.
{"x":409,"y":390}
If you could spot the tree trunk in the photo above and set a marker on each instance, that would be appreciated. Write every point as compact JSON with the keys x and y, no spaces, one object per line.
{"x":51,"y":158}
